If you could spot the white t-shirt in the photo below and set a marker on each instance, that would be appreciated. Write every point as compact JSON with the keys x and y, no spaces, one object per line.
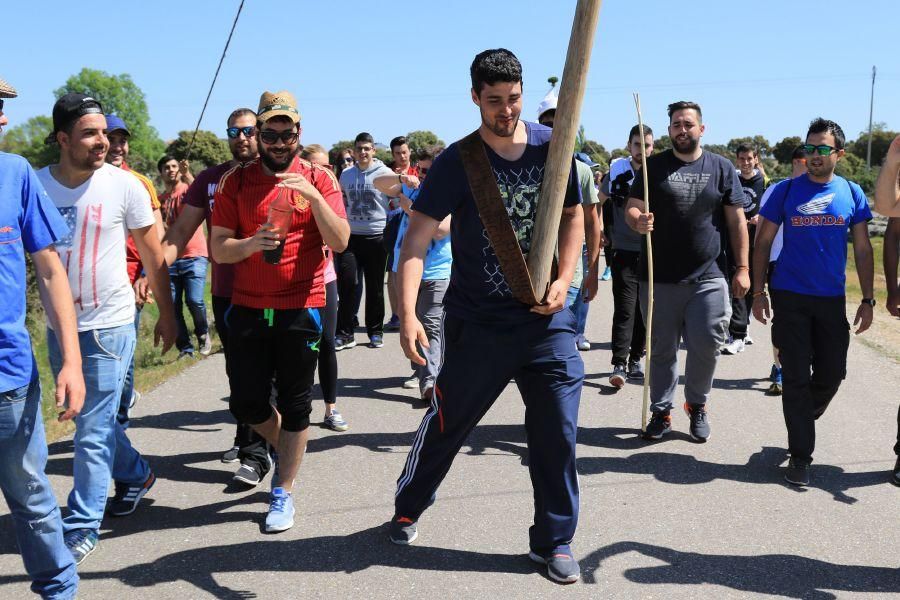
{"x":99,"y":213}
{"x":778,"y":242}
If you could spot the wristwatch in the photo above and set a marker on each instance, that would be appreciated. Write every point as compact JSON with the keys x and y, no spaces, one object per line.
{"x":869,"y":301}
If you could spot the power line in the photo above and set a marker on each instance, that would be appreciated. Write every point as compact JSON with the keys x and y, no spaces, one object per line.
{"x":216,"y":76}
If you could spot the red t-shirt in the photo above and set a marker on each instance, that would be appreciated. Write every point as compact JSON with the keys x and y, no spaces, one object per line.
{"x":132,"y":257}
{"x":201,"y":194}
{"x":171,"y":207}
{"x":242,"y":204}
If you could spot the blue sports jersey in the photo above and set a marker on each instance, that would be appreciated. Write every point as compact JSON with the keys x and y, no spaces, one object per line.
{"x":478,"y":290}
{"x":28,"y":222}
{"x":816,"y":218}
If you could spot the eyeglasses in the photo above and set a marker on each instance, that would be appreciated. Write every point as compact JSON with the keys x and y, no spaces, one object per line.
{"x":364,"y":148}
{"x":234,"y":132}
{"x":821,"y":150}
{"x":270,"y":137}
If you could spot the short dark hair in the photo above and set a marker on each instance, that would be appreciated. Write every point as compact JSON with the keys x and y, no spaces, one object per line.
{"x":240,"y":112}
{"x":364,"y":137}
{"x":492,"y":66}
{"x":684,"y":105}
{"x":636,"y":131}
{"x":820,"y":125}
{"x":425,"y":153}
{"x":798,"y":154}
{"x":162,"y":161}
{"x":745,"y":148}
{"x":399,"y":141}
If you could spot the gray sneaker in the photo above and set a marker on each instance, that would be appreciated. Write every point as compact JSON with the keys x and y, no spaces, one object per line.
{"x":205,"y":343}
{"x":411,"y":383}
{"x":561,"y":565}
{"x":247,"y":475}
{"x":231,"y":455}
{"x":699,"y":423}
{"x":336,"y":422}
{"x":403,"y":531}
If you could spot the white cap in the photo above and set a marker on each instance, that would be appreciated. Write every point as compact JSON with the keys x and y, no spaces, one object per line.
{"x":548,"y":103}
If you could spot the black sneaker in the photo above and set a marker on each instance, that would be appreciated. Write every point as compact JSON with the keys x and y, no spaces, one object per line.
{"x":403,"y":531}
{"x":231,"y":456}
{"x":617,"y":379}
{"x":699,"y":423}
{"x":248,"y":475}
{"x":561,"y":565}
{"x":797,"y":473}
{"x":660,"y":424}
{"x":895,"y":477}
{"x":634,"y":370}
{"x":127,"y":496}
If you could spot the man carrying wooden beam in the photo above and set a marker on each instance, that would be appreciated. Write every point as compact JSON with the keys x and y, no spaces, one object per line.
{"x":490,"y":337}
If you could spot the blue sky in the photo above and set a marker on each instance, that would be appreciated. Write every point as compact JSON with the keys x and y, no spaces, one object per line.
{"x":757,"y":67}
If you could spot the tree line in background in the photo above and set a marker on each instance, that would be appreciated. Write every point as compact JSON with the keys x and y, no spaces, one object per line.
{"x":119,"y":94}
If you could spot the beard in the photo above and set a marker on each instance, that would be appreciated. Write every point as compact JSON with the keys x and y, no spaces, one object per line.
{"x":500,"y":129}
{"x":275,"y":165}
{"x":686,"y":147}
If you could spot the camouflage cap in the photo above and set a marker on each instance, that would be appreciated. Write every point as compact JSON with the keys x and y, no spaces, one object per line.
{"x":6,"y":90}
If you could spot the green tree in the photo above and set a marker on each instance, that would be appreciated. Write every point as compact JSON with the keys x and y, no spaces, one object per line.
{"x":719,"y":149}
{"x":416,"y":140}
{"x":853,"y":167}
{"x":27,"y":139}
{"x":208,"y":149}
{"x":621,"y":153}
{"x":759,"y":142}
{"x":120,"y":95}
{"x":783,"y":150}
{"x":663,"y":143}
{"x":881,"y":139}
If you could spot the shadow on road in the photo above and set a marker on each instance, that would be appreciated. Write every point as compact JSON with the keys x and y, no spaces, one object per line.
{"x":770,"y":574}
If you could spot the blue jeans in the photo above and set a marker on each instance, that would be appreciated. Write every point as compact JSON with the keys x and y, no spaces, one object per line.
{"x":38,"y":524}
{"x":188,"y":277}
{"x":578,"y":305}
{"x":128,"y":387}
{"x":102,"y":449}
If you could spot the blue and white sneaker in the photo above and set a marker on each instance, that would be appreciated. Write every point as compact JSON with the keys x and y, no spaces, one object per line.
{"x":376,"y":341}
{"x":336,"y":422}
{"x":81,"y":542}
{"x":281,"y":511}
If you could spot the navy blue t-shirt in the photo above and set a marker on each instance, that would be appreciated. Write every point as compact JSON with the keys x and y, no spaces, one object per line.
{"x":478,"y":291}
{"x":815,"y":218}
{"x":687,"y":201}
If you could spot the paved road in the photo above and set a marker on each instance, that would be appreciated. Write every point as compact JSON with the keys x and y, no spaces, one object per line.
{"x":666,"y":520}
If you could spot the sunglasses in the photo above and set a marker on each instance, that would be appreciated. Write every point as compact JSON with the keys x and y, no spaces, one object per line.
{"x":423,"y":170}
{"x":1,"y":104}
{"x":234,"y":132}
{"x":348,"y":160}
{"x":821,"y":150}
{"x":270,"y":137}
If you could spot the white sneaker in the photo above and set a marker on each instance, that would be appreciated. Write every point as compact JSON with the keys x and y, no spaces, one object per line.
{"x":411,"y":383}
{"x":735,"y":347}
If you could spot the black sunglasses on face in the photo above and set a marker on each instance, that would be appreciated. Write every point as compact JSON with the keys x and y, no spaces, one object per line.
{"x":270,"y":137}
{"x":423,"y":170}
{"x":234,"y":132}
{"x":348,"y":160}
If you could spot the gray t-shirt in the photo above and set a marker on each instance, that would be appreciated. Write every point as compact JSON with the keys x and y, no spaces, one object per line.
{"x":367,"y":208}
{"x":616,"y":185}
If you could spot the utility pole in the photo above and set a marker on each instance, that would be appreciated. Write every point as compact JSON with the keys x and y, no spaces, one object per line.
{"x":871,"y":107}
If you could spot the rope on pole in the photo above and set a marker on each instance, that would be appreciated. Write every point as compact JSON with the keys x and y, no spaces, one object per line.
{"x":187,"y":156}
{"x":649,"y":316}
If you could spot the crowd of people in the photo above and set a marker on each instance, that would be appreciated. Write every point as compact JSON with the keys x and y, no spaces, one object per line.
{"x":295,"y":242}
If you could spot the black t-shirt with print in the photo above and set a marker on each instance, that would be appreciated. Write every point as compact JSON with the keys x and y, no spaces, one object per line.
{"x":687,"y":201}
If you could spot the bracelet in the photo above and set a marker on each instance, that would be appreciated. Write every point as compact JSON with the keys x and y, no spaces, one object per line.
{"x":758,"y":294}
{"x":743,"y":267}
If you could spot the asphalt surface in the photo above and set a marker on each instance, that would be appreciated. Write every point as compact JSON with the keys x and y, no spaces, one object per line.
{"x":672,"y":519}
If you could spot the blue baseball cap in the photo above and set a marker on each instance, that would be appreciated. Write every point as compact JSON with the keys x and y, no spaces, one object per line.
{"x":114,"y":123}
{"x":583,"y":157}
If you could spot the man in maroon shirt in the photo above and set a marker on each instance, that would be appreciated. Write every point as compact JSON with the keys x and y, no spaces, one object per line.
{"x":274,"y":319}
{"x":249,"y":447}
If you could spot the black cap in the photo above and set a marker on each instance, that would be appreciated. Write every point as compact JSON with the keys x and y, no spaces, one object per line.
{"x":70,"y":108}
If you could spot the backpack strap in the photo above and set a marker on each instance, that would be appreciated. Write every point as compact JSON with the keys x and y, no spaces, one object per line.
{"x":494,"y":217}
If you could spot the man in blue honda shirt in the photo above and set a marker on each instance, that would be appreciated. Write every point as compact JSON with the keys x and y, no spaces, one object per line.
{"x":811,"y":330}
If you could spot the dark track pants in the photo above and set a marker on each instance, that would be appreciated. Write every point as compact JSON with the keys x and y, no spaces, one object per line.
{"x":477,"y":364}
{"x":812,"y":336}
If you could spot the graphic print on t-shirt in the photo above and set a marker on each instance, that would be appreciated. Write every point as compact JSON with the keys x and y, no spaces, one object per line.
{"x":365,"y":207}
{"x":686,"y":187}
{"x":88,"y":243}
{"x":817,"y":205}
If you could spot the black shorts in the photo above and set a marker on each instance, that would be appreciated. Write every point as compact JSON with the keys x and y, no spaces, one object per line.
{"x":267,"y":343}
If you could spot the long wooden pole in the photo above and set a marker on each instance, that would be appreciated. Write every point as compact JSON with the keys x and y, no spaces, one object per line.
{"x":649,"y":316}
{"x":562,"y":143}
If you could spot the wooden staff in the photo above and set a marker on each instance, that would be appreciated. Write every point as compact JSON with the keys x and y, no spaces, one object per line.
{"x":649,"y":316}
{"x":562,"y":141}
